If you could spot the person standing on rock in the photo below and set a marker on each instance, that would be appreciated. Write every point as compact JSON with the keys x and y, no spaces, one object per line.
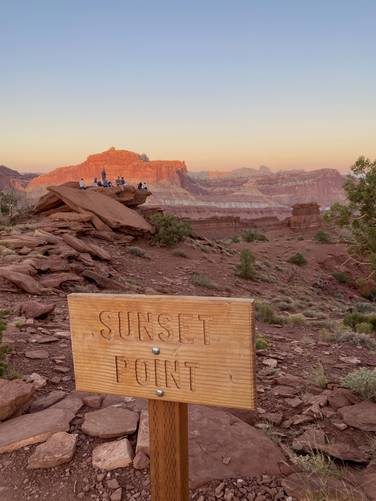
{"x":104,"y":176}
{"x":82,"y":184}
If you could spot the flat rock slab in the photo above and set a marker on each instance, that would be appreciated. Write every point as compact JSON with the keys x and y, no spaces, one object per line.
{"x":112,"y":455}
{"x":57,"y":450}
{"x":112,"y":213}
{"x":34,"y":309}
{"x":222,"y":446}
{"x":361,"y":416}
{"x":46,"y":401}
{"x":13,"y":395}
{"x":37,"y":354}
{"x":143,"y":434}
{"x":32,"y":428}
{"x":110,"y":422}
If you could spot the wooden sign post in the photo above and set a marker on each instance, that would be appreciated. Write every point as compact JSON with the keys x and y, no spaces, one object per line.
{"x":172,"y":350}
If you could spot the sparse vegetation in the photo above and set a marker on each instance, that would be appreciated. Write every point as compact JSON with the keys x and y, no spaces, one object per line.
{"x":297,"y":259}
{"x":136,"y":251}
{"x":265,"y":313}
{"x":253,"y":236}
{"x":364,"y":328}
{"x":318,"y":376}
{"x":322,"y":237}
{"x":363,"y":382}
{"x":296,"y":320}
{"x":179,"y":253}
{"x":235,"y":240}
{"x":342,"y":277}
{"x":340,"y":336}
{"x":261,"y":342}
{"x":203,"y":281}
{"x":169,"y":229}
{"x":246,"y":267}
{"x":355,"y":318}
{"x":4,"y":351}
{"x":320,"y":464}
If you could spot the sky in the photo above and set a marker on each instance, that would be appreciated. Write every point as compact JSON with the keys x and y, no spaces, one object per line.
{"x":220,"y":84}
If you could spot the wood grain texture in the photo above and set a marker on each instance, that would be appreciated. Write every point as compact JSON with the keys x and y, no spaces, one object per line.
{"x":207,"y":347}
{"x":168,"y":425}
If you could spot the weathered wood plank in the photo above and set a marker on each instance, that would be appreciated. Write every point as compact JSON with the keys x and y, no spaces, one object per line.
{"x":168,"y":425}
{"x":206,"y":347}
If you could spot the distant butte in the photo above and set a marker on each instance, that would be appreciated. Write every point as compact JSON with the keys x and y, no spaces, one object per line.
{"x":116,"y":163}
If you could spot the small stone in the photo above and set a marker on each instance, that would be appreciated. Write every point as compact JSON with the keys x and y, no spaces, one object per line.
{"x":270,"y":362}
{"x":37,"y":380}
{"x":339,"y":425}
{"x":47,"y":400}
{"x":143,"y":433}
{"x":113,"y":483}
{"x":112,"y":455}
{"x":116,"y":496}
{"x":110,"y":422}
{"x":13,"y":395}
{"x":57,"y":450}
{"x":93,"y":401}
{"x":37,"y":354}
{"x":141,"y":461}
{"x":293,"y":402}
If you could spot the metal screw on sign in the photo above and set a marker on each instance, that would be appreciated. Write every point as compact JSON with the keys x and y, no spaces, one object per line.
{"x":159,"y":392}
{"x":156,"y":350}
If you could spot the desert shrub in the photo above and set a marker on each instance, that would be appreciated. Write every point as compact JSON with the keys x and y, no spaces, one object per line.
{"x":321,"y":465}
{"x":235,"y":240}
{"x":363,"y":382}
{"x":318,"y":376}
{"x":366,"y":288}
{"x":300,"y":238}
{"x":179,"y":253}
{"x":265,"y":313}
{"x":203,"y":281}
{"x":296,"y":320}
{"x":365,"y":307}
{"x":4,"y":313}
{"x":253,"y":236}
{"x":355,"y":318}
{"x":364,"y":328}
{"x":337,"y":335}
{"x":342,"y":277}
{"x":322,"y":237}
{"x":136,"y":251}
{"x":169,"y":229}
{"x":261,"y":342}
{"x":4,"y":350}
{"x":246,"y":267}
{"x":144,"y":157}
{"x":297,"y":259}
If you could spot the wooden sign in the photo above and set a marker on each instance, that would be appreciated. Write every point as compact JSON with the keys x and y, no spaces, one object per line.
{"x":180,"y":349}
{"x":172,"y":350}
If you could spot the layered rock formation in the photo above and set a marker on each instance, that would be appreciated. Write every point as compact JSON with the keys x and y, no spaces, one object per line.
{"x":116,"y":163}
{"x":11,"y":179}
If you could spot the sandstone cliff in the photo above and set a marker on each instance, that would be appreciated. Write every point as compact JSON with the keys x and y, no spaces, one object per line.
{"x":116,"y":163}
{"x":11,"y":179}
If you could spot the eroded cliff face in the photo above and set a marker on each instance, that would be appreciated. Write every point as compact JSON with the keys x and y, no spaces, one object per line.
{"x":116,"y":163}
{"x":12,"y":180}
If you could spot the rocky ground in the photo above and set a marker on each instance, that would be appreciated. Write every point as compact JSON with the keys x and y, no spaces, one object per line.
{"x":309,"y":438}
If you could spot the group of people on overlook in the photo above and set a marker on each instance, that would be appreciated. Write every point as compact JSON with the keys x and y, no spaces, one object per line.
{"x":120,"y":182}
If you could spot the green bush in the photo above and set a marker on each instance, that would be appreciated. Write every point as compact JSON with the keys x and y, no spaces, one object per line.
{"x":203,"y":281}
{"x":322,"y":237}
{"x":364,"y":328}
{"x":235,"y":240}
{"x":363,"y":382}
{"x":265,"y":313}
{"x":342,"y":277}
{"x":296,"y":320}
{"x":136,"y":251}
{"x":253,"y":236}
{"x":355,"y":318}
{"x":246,"y":267}
{"x":169,"y":229}
{"x":261,"y":342}
{"x":297,"y":259}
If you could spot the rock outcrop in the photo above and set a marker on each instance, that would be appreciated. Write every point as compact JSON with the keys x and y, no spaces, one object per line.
{"x":305,"y":216}
{"x":116,"y":163}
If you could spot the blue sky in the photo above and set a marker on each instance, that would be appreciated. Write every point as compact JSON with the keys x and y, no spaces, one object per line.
{"x":218,"y":84}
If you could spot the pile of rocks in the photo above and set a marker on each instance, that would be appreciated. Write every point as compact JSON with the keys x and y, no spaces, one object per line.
{"x":66,"y":245}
